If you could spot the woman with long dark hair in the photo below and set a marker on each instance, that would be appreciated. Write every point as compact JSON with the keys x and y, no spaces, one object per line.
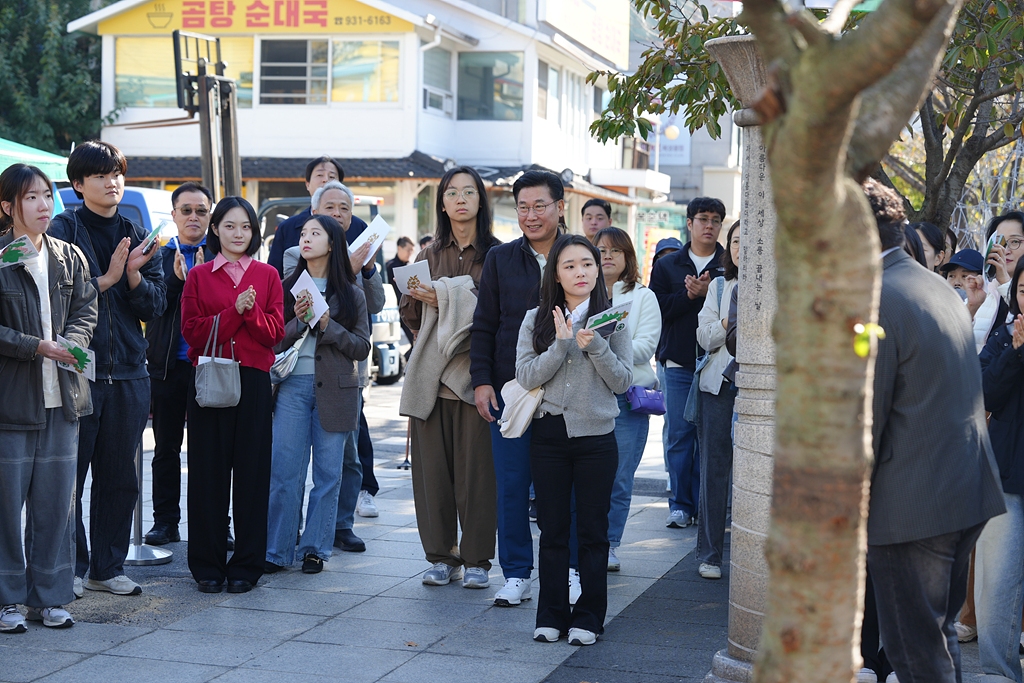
{"x":40,"y":405}
{"x":933,"y":241}
{"x":622,"y":279}
{"x":452,"y":467}
{"x":229,"y":448}
{"x":572,"y":444}
{"x":317,"y":405}
{"x":999,"y":554}
{"x":714,"y":426}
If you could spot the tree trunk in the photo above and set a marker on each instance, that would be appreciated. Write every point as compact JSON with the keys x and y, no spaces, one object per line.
{"x":828,"y":283}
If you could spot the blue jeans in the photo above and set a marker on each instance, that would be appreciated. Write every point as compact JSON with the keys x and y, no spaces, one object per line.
{"x":351,"y":479}
{"x":631,"y":436}
{"x":659,"y":369}
{"x":512,"y":475}
{"x":715,"y":467}
{"x":681,"y":447}
{"x":999,"y":592}
{"x":297,"y":429}
{"x":920,"y":587}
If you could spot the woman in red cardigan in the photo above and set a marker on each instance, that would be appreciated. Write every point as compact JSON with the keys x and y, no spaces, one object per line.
{"x":231,"y":444}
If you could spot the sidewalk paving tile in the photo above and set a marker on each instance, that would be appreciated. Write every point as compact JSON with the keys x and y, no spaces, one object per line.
{"x":360,"y":664}
{"x":84,"y":637}
{"x":106,"y":669}
{"x":22,"y":664}
{"x":435,"y":667}
{"x":196,"y":648}
{"x":295,"y":601}
{"x":333,"y":582}
{"x":246,"y":622}
{"x":387,"y":635}
{"x":417,"y":611}
{"x":469,"y":641}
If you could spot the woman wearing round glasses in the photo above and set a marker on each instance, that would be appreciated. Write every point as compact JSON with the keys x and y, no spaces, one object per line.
{"x":452,"y":468}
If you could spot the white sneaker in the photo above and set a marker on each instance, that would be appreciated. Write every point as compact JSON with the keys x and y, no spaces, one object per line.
{"x":581,"y":636}
{"x":965,"y":633}
{"x":866,"y":676}
{"x":365,"y":507}
{"x":575,"y":588}
{"x":11,"y":620}
{"x":79,"y":587}
{"x":53,"y":617}
{"x":513,"y":592}
{"x":543,"y":634}
{"x":119,"y":585}
{"x":891,"y":678}
{"x":710,"y":571}
{"x":613,"y":561}
{"x":677,"y":519}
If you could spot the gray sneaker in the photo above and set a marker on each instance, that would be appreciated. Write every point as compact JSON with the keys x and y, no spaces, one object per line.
{"x":476,"y":577}
{"x":79,"y":587}
{"x":677,"y":519}
{"x":119,"y":585}
{"x":441,"y":574}
{"x":614,"y":564}
{"x":11,"y":619}
{"x":52,"y":617}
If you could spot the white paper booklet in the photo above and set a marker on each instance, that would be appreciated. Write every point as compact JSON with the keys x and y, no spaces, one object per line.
{"x":375,"y":233}
{"x":305,"y":284}
{"x":414,"y":275}
{"x":86,"y":359}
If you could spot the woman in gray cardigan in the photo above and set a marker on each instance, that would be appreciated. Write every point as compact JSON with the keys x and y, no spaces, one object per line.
{"x":572,"y":445}
{"x":317,"y":404}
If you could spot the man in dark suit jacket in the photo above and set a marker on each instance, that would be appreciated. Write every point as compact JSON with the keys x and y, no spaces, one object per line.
{"x":935,"y":480}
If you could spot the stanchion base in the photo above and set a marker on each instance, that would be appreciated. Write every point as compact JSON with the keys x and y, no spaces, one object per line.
{"x":145,"y":555}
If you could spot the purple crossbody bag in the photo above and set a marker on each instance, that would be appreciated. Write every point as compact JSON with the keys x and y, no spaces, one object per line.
{"x":645,"y":401}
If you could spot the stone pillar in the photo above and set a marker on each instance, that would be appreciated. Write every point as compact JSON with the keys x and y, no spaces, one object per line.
{"x":755,"y":353}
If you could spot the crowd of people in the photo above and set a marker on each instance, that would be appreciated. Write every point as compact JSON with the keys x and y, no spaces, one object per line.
{"x":516,"y":403}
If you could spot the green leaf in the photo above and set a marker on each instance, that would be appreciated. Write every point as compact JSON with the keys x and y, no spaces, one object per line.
{"x":1008,"y":130}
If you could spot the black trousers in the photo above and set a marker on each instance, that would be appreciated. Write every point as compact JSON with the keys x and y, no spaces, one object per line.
{"x":170,"y":399}
{"x":559,"y":464}
{"x":230,"y":447}
{"x":366,"y":456}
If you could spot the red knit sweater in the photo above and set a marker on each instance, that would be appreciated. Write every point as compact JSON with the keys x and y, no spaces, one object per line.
{"x":253,"y":334}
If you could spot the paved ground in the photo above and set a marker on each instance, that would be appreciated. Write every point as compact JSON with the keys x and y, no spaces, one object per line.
{"x":368,"y":617}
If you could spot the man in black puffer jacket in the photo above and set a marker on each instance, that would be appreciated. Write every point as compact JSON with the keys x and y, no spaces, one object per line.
{"x":131,"y":291}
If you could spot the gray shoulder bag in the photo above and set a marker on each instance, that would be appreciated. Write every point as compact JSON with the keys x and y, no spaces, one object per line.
{"x":217,"y":381}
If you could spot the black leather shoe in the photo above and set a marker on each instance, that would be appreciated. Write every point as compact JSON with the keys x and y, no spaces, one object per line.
{"x":162,"y":534}
{"x":239,"y":586}
{"x":271,"y":568}
{"x":231,"y":541}
{"x":208,"y":586}
{"x":312,"y":564}
{"x":348,"y":541}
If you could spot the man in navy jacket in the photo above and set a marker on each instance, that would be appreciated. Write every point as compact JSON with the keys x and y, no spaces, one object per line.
{"x":319,"y":171}
{"x":170,"y":370}
{"x":680,"y":281}
{"x":509,"y":287}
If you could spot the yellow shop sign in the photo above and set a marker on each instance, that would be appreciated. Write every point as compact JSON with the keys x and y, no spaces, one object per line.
{"x":224,"y":17}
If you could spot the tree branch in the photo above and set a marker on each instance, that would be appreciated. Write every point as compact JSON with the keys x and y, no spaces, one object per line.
{"x":836,"y":19}
{"x":764,"y":19}
{"x":960,"y":133}
{"x":887,"y":106}
{"x":909,"y":175}
{"x":865,"y":56}
{"x":998,"y":137}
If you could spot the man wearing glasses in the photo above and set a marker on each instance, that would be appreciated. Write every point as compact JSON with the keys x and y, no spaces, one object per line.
{"x":509,"y":287}
{"x":680,"y":281}
{"x":170,"y":370}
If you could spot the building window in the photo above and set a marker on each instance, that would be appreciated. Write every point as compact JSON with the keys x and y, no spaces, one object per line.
{"x":364,"y":71}
{"x":600,"y":101}
{"x":144,"y":71}
{"x":547,"y":92}
{"x":437,"y":80}
{"x":293,"y":72}
{"x":490,"y":86}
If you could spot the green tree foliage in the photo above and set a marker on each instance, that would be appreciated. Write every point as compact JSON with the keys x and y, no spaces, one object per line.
{"x":975,"y":107}
{"x":51,"y":80}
